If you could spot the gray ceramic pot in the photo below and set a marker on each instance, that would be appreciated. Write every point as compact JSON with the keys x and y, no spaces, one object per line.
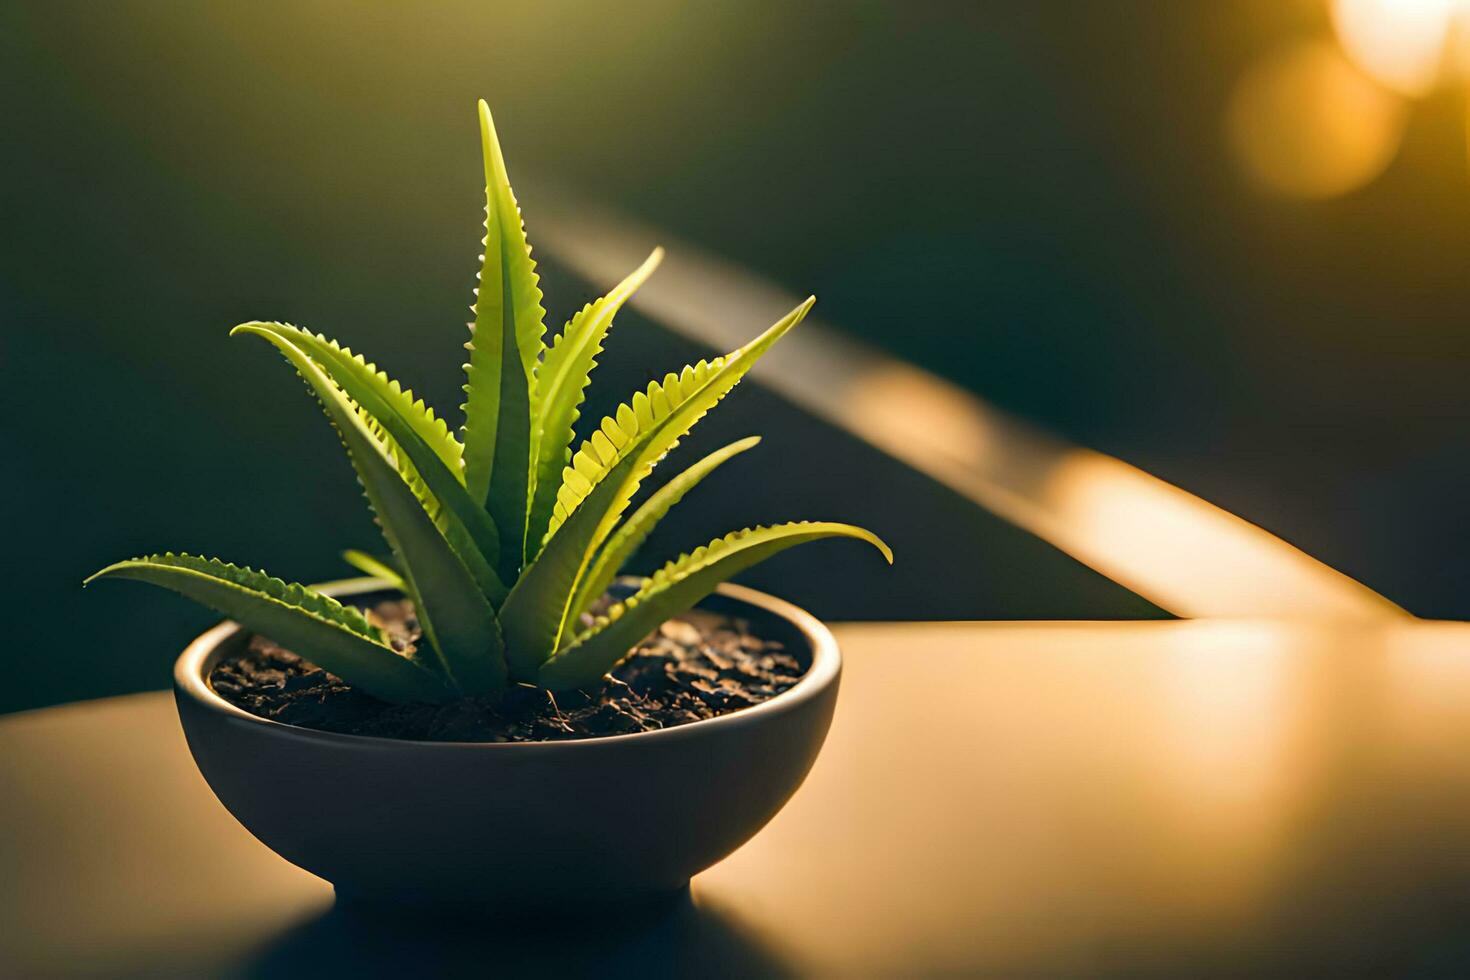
{"x":509,"y":825}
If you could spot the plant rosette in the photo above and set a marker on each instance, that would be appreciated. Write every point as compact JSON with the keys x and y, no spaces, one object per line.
{"x":505,"y":544}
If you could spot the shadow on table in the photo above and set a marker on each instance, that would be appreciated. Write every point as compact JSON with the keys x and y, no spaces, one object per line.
{"x":677,"y":937}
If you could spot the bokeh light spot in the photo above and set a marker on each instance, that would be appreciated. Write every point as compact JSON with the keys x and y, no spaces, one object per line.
{"x":1401,"y":43}
{"x":1306,"y":123}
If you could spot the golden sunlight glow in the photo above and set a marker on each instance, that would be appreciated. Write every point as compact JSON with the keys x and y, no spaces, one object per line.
{"x":1306,"y":123}
{"x":1172,"y":548}
{"x":1229,"y":700}
{"x":1402,"y":43}
{"x":1100,"y":507}
{"x":935,"y":417}
{"x":1426,"y":680}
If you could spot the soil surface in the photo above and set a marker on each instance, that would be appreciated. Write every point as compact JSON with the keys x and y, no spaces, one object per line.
{"x":698,"y":666}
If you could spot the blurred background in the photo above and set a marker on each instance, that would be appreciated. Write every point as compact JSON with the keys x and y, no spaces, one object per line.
{"x":1226,"y":242}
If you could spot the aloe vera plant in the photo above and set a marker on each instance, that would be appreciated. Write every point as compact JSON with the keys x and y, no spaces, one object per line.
{"x":502,"y":535}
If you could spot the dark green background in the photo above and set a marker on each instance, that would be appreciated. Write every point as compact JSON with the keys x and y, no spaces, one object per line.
{"x":1032,"y":198}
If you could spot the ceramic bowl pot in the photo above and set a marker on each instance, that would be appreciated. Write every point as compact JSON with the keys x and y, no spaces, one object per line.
{"x":508,"y":825}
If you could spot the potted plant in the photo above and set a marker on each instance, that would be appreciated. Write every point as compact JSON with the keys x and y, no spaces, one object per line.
{"x":492,"y":717}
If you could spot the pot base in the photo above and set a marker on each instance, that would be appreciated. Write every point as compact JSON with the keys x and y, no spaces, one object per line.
{"x":608,"y":908}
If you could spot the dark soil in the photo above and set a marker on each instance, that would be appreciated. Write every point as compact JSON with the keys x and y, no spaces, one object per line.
{"x":698,"y":666}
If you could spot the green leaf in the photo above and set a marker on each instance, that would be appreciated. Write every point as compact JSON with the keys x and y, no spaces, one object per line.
{"x":561,"y":383}
{"x":674,"y":589}
{"x":426,"y":454}
{"x":457,"y":618}
{"x":369,"y":386}
{"x":335,"y":637}
{"x":504,"y":348}
{"x":596,"y":489}
{"x":375,"y":567}
{"x":627,"y":538}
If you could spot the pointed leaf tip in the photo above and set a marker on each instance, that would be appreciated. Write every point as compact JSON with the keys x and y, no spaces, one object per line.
{"x":490,"y":142}
{"x":675,"y":588}
{"x":102,"y":572}
{"x":655,"y":258}
{"x":557,"y":396}
{"x":882,"y":547}
{"x":335,"y":637}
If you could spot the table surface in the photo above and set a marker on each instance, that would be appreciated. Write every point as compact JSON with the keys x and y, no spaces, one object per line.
{"x":1210,"y":798}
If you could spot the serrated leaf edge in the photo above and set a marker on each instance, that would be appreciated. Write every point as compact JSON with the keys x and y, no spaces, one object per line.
{"x":293,"y":594}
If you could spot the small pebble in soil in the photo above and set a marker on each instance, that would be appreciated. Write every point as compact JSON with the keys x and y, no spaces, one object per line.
{"x":699,"y":666}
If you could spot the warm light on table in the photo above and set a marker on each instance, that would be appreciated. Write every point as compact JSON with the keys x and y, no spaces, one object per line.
{"x":1223,"y":798}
